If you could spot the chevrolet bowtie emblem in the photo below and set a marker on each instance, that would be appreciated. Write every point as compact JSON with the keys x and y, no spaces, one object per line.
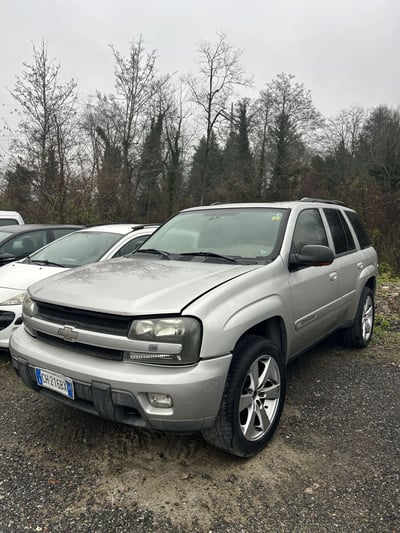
{"x":68,"y":333}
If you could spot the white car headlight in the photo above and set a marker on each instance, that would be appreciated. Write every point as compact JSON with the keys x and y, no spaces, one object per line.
{"x":169,"y":340}
{"x":15,"y":300}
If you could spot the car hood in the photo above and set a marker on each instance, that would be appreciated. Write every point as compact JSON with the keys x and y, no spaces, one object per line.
{"x":19,"y":276}
{"x":136,"y":285}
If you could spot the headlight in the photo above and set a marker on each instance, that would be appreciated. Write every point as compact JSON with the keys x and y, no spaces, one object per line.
{"x":15,"y":300}
{"x":170,"y":340}
{"x":29,"y":308}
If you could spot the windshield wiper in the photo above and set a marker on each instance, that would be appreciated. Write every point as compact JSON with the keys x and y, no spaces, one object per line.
{"x":154,"y":251}
{"x":210,"y":254}
{"x":46,"y":262}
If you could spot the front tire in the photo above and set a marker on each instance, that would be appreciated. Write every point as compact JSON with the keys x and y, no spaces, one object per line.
{"x":253,"y":399}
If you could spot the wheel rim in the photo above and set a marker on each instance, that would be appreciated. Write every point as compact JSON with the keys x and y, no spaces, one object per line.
{"x":367,"y":319}
{"x":259,"y":398}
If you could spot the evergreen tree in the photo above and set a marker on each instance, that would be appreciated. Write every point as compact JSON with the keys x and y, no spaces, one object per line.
{"x":215,"y":164}
{"x":109,"y":181}
{"x":293,"y":119}
{"x":238,"y":183}
{"x":150,"y":194}
{"x":380,"y":147}
{"x":18,"y":190}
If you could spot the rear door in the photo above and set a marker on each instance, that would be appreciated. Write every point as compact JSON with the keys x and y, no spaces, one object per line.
{"x":347,"y":259}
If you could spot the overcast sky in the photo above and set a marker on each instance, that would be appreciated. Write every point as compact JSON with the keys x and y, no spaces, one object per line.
{"x":345,"y":51}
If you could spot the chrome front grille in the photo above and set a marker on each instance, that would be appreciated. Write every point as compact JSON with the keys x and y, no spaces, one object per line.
{"x":91,"y":321}
{"x":95,"y":351}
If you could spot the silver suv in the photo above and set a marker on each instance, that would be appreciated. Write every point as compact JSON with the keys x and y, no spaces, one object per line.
{"x":194,"y":330}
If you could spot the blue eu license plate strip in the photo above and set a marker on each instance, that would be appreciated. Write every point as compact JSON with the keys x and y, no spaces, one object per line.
{"x":55,"y":382}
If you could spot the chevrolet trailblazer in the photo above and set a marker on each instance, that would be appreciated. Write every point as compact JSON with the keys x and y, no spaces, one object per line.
{"x":194,"y":330}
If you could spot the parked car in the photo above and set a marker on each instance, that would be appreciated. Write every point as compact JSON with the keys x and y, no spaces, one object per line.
{"x":9,"y":218}
{"x":88,"y":245}
{"x":194,"y":331}
{"x":18,"y":241}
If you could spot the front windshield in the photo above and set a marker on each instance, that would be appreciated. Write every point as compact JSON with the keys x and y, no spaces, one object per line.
{"x":249,"y":233}
{"x":76,"y":249}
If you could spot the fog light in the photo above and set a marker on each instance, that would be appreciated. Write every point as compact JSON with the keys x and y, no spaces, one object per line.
{"x":157,"y":399}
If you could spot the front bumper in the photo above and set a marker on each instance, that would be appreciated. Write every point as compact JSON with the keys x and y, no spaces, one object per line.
{"x":119,"y":390}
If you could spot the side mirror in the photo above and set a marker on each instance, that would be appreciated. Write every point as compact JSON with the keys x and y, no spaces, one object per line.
{"x":312,"y":255}
{"x":6,"y":258}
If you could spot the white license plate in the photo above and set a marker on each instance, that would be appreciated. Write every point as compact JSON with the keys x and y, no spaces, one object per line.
{"x":55,"y":382}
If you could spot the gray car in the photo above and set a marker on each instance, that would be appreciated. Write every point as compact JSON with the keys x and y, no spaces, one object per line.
{"x":19,"y":240}
{"x":194,"y":330}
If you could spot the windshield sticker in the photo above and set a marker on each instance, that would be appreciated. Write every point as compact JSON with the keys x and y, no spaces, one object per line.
{"x":277,"y":216}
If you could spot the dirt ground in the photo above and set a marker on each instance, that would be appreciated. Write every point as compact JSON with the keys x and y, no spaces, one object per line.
{"x":332,"y":466}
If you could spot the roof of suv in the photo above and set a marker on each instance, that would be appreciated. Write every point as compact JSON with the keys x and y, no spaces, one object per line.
{"x":285,"y":205}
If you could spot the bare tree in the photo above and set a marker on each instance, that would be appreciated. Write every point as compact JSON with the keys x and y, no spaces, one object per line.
{"x":136,"y":83}
{"x":177,"y":143}
{"x":45,"y":140}
{"x":220,"y":72}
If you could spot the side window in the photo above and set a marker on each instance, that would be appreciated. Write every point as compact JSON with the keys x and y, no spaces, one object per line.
{"x":359,"y":229}
{"x":309,"y":230}
{"x":24,"y":245}
{"x":341,"y":234}
{"x":131,"y":246}
{"x":60,"y":232}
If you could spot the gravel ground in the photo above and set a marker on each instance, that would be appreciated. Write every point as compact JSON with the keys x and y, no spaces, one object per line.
{"x":332,"y":466}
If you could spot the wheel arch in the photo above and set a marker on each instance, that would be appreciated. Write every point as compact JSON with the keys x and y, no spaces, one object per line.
{"x":371,"y":283}
{"x":272,"y":329}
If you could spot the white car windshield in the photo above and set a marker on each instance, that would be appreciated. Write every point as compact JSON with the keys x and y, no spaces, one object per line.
{"x":76,"y":249}
{"x":234,"y":234}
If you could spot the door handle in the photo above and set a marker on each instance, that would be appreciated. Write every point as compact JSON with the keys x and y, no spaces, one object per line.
{"x":360,"y":265}
{"x":333,"y":276}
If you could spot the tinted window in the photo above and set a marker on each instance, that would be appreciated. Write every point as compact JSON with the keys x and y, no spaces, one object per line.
{"x":359,"y":229}
{"x":60,"y":232}
{"x":309,"y":230}
{"x":131,"y":246}
{"x":342,"y":238}
{"x":25,"y":244}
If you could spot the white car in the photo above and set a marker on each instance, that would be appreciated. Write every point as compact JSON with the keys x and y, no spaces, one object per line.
{"x":9,"y":218}
{"x":89,"y":245}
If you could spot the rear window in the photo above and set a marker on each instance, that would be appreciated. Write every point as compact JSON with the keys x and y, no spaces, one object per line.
{"x":359,"y":229}
{"x":8,"y":222}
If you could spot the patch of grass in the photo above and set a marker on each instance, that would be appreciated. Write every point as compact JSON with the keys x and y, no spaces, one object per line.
{"x":387,"y":274}
{"x":381,"y":326}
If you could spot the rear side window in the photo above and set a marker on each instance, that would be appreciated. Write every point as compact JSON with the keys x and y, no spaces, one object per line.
{"x":131,"y":246}
{"x":359,"y":229}
{"x":341,"y":234}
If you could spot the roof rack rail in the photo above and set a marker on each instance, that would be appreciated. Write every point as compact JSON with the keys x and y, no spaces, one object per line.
{"x":319,"y":200}
{"x":134,"y":227}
